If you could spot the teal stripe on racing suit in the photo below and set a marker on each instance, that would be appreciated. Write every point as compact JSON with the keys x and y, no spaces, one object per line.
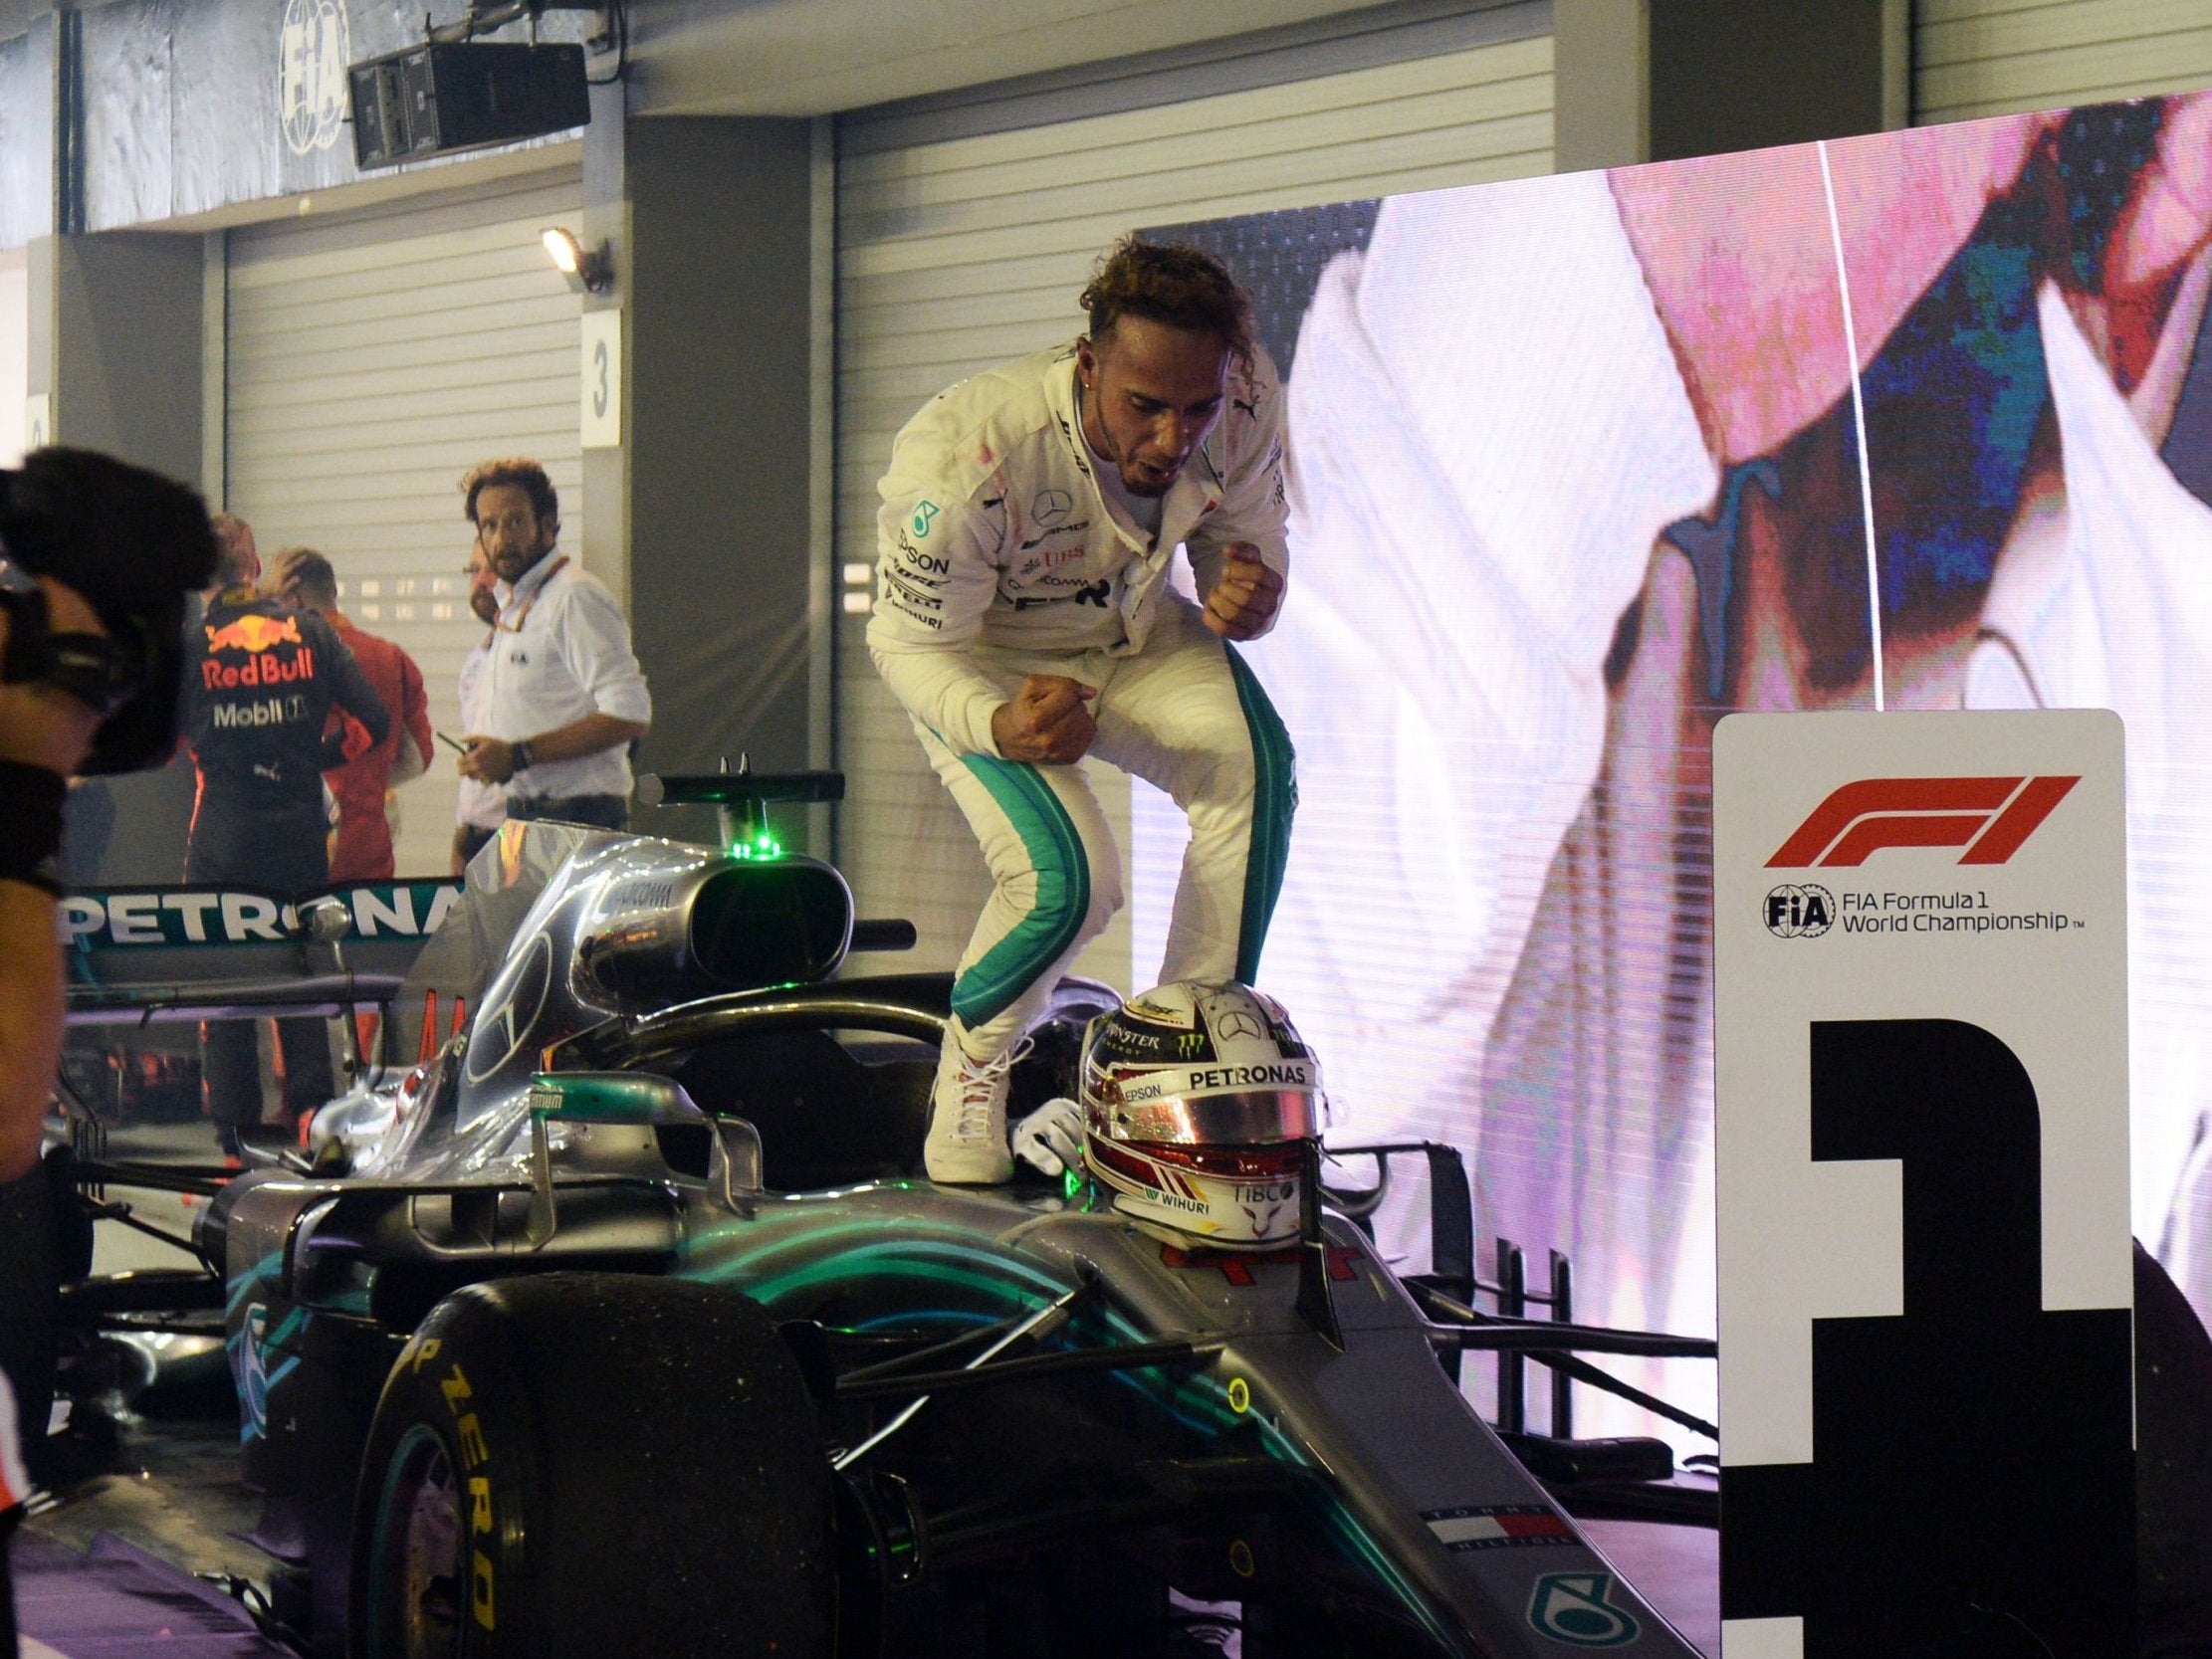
{"x":1063,"y":873}
{"x":1274,"y":803}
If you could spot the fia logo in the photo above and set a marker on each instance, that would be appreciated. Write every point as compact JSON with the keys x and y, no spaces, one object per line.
{"x":1799,"y":911}
{"x":311,"y":55}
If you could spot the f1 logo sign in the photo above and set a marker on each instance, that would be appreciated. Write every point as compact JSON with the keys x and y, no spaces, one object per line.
{"x":1988,"y":816}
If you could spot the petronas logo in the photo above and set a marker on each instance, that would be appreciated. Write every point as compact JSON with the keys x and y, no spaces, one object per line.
{"x":1570,"y":1608}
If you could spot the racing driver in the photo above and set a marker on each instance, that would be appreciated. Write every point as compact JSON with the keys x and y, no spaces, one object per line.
{"x":1024,"y":619}
{"x":261,"y":680}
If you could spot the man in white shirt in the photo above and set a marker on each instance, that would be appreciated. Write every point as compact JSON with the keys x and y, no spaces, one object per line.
{"x":479,"y":808}
{"x":1024,"y":619}
{"x":564,"y":694}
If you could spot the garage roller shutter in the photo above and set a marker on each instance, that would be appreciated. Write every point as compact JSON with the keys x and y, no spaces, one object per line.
{"x":371,"y":360}
{"x":1975,"y":57}
{"x":961,"y":248}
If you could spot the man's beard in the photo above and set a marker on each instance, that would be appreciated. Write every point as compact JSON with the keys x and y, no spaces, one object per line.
{"x":1145,"y":489}
{"x":499,"y":566}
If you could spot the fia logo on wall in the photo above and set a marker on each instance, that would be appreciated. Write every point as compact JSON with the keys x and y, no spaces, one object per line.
{"x":1799,"y":909}
{"x":312,"y":54}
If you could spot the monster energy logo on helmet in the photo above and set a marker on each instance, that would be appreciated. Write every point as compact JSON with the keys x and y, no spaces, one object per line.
{"x":1192,"y":1022}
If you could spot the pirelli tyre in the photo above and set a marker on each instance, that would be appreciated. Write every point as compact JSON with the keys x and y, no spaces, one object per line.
{"x":594,"y":1464}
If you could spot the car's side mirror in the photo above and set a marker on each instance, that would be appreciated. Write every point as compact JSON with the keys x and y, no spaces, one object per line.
{"x":643,"y":1099}
{"x":326,"y":921}
{"x":735,"y":1169}
{"x":639,"y":1099}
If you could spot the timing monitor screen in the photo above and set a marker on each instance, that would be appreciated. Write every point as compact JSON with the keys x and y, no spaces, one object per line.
{"x":1581,"y":463}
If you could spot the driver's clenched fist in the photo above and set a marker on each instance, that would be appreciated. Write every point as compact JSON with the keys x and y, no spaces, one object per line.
{"x":1243,"y":602}
{"x":1049,"y":720}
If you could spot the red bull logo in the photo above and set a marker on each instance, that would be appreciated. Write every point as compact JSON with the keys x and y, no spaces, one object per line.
{"x":254,"y":637}
{"x":259,"y":671}
{"x":253,"y":633}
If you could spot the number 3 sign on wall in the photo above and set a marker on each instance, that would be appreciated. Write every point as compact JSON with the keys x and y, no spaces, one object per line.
{"x":601,"y":401}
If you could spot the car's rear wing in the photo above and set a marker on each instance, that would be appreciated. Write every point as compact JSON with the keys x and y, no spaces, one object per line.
{"x":219,"y":999}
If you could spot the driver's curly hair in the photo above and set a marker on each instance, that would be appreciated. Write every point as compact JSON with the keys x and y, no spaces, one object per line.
{"x":1170,"y":283}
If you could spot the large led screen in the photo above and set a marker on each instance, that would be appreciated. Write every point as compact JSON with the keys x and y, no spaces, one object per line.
{"x":1580,"y":465}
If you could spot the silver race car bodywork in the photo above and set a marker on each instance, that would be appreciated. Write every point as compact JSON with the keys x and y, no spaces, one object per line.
{"x":660,"y":1079}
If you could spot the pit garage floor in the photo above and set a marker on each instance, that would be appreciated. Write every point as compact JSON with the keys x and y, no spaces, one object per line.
{"x":160,"y":1477}
{"x":167,"y":1485}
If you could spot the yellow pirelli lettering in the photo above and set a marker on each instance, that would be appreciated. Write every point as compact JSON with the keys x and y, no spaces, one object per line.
{"x":455,"y":1388}
{"x":472,"y":1450}
{"x":480,"y":1506}
{"x":425,"y":1349}
{"x":480,"y":1589}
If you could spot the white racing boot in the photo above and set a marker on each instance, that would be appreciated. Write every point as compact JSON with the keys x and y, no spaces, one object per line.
{"x":967,"y":1145}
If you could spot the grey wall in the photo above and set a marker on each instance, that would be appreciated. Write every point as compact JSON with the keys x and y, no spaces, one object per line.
{"x":182,"y":109}
{"x":1661,"y":80}
{"x":1601,"y":83}
{"x":714,"y":270}
{"x":122,"y":313}
{"x":27,"y":136}
{"x":1735,"y":75}
{"x":126,"y":339}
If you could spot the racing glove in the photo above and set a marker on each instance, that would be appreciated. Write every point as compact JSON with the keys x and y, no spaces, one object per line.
{"x":1050,"y":1139}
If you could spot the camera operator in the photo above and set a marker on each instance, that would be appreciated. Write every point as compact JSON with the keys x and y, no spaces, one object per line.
{"x":44,"y":734}
{"x":97,"y":558}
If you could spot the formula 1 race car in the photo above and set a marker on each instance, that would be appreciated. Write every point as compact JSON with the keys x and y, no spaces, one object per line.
{"x":621,"y":1325}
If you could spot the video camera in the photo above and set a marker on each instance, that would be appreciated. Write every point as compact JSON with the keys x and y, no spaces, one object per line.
{"x":135,"y":545}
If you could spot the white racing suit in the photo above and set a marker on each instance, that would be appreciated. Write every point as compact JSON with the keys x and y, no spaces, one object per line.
{"x":999,"y":559}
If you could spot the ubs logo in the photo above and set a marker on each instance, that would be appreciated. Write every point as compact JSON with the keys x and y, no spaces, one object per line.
{"x":311,"y":55}
{"x":509,"y":1020}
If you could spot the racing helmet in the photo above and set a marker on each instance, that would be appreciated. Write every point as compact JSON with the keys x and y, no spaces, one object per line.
{"x":1198,"y":1098}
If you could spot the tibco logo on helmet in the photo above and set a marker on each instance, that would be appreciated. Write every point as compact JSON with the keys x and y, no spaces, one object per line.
{"x":1201,"y":1142}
